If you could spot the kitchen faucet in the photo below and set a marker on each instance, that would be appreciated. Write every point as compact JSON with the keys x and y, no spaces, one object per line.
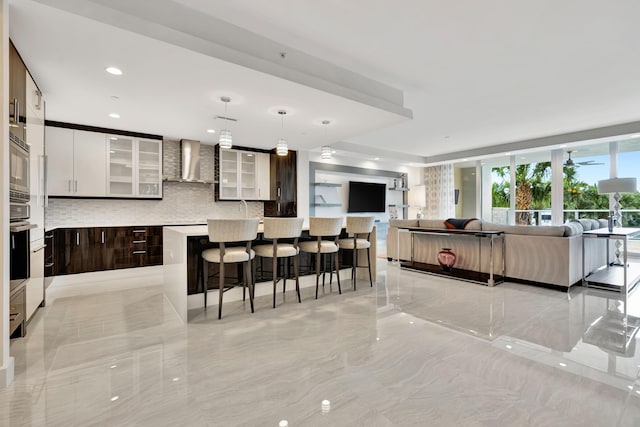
{"x":246,"y":208}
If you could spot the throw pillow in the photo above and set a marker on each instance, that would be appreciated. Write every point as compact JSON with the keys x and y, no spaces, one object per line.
{"x":458,"y":223}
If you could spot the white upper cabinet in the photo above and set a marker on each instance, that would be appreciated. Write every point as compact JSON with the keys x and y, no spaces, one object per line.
{"x":89,"y":164}
{"x":94,"y":164}
{"x":76,"y":162}
{"x":244,"y":175}
{"x":135,"y":167}
{"x":149,"y":170}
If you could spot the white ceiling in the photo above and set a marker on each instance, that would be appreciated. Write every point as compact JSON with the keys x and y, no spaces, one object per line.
{"x":474,"y":73}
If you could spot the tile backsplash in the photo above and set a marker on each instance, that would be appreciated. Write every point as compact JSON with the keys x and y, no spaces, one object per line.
{"x":182,"y":203}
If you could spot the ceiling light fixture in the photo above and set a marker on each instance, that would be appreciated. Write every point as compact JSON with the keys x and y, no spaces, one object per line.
{"x":114,"y":70}
{"x":282,"y":149}
{"x":325,"y":151}
{"x":226,"y":140}
{"x":114,"y":115}
{"x":211,"y":131}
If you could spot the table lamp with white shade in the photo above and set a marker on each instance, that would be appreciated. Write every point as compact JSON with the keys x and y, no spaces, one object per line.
{"x":418,"y":199}
{"x":616,"y":186}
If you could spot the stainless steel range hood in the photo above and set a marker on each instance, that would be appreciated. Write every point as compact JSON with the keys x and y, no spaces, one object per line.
{"x":190,"y":160}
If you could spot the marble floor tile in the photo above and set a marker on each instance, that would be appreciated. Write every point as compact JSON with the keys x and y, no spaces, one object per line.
{"x":108,"y":350}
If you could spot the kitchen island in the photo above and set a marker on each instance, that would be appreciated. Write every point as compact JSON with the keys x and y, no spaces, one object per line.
{"x":181,"y":253}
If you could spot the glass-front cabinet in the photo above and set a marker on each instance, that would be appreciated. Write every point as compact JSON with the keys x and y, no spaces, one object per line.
{"x":134,"y":167}
{"x":149,"y":168}
{"x":120,"y":171}
{"x":244,"y":175}
{"x":228,"y":174}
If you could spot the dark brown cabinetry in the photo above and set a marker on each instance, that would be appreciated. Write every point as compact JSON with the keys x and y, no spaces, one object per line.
{"x":284,"y":188}
{"x":17,"y":93}
{"x":81,"y":250}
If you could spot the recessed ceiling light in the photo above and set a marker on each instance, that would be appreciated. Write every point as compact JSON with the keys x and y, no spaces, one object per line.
{"x":114,"y":115}
{"x":376,"y":158}
{"x":114,"y":70}
{"x":211,"y":130}
{"x":333,"y":151}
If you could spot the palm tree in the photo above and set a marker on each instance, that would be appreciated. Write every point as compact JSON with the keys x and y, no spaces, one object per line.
{"x":533,"y":189}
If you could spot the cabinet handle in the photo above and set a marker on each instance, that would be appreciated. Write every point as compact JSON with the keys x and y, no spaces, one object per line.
{"x":77,"y":239}
{"x":49,"y":265}
{"x":39,"y":97}
{"x":13,"y":242}
{"x":278,"y":191}
{"x":139,"y":252}
{"x":139,"y":231}
{"x":39,"y":249}
{"x":139,"y":241}
{"x":102,"y":237}
{"x":46,"y":181}
{"x":48,"y":236}
{"x":76,"y":186}
{"x":69,"y":185}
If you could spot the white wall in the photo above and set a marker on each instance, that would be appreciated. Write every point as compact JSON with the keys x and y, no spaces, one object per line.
{"x":6,"y":361}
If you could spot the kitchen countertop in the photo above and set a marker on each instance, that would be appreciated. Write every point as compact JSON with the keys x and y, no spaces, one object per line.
{"x":124,"y":225}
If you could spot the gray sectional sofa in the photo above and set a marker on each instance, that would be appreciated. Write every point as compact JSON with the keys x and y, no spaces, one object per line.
{"x":550,"y":255}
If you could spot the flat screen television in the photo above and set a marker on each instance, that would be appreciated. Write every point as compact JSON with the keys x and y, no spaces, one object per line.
{"x":367,"y":197}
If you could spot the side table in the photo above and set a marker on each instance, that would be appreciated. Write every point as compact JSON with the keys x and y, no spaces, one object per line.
{"x":616,"y":276}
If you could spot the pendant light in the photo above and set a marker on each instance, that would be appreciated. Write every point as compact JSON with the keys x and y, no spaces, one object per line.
{"x":282,"y":149}
{"x":325,"y":151}
{"x":226,"y":141}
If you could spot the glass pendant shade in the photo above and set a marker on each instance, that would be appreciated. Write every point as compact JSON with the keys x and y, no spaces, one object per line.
{"x":325,"y":152}
{"x":282,"y":149}
{"x":225,"y":139}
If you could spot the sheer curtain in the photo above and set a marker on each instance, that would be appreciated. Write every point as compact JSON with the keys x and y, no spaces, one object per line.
{"x":440,"y":192}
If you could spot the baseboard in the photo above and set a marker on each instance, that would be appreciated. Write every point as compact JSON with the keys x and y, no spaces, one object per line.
{"x":542,"y":284}
{"x":7,"y":373}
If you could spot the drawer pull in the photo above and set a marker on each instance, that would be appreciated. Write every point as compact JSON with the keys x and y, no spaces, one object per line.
{"x":49,"y":265}
{"x":139,"y":241}
{"x":139,"y":231}
{"x":139,"y":252}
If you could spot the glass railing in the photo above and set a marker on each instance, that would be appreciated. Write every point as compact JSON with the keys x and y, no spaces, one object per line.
{"x":542,"y":217}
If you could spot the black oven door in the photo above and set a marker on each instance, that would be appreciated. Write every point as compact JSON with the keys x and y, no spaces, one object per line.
{"x":19,"y":255}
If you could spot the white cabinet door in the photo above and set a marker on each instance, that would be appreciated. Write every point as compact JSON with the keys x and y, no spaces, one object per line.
{"x":248,"y":175}
{"x":264,"y":175}
{"x":229,"y":175}
{"x":59,"y":149}
{"x":149,"y":168}
{"x":34,"y":136}
{"x":90,"y":164}
{"x":120,"y":176}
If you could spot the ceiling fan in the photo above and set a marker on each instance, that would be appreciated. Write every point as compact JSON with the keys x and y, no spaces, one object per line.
{"x":570,"y":163}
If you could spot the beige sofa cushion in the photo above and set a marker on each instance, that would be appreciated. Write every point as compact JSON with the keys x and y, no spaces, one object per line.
{"x":403,"y":223}
{"x":528,"y":230}
{"x":432,"y":223}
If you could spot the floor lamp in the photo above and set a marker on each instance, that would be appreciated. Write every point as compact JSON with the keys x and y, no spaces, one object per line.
{"x":616,"y":186}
